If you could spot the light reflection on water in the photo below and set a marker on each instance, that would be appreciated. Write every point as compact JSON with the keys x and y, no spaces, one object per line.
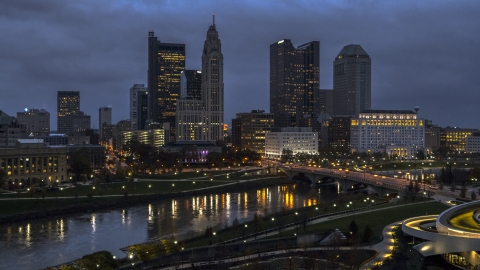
{"x":38,"y":244}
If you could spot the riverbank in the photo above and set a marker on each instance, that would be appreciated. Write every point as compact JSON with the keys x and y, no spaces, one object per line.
{"x":99,"y":203}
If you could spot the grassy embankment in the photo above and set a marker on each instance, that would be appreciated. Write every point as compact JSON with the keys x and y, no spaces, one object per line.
{"x":377,"y":220}
{"x":19,"y":203}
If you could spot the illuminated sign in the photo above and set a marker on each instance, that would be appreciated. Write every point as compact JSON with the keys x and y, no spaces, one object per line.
{"x":225,"y":126}
{"x":281,"y":41}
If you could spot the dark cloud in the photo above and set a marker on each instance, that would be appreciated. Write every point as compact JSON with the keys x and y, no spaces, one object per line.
{"x":423,"y":53}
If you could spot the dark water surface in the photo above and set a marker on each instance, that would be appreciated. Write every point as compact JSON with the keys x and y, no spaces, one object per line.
{"x":49,"y":242}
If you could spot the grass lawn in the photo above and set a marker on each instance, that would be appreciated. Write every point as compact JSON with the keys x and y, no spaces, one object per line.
{"x":38,"y":204}
{"x":97,"y":191}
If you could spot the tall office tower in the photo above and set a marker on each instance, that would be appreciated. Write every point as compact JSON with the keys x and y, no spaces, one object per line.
{"x":294,"y":81}
{"x":202,"y":120}
{"x":352,"y":81}
{"x":37,"y":121}
{"x":138,"y":106}
{"x":68,"y":104}
{"x":165,"y":62}
{"x":191,"y":84}
{"x":104,"y":117}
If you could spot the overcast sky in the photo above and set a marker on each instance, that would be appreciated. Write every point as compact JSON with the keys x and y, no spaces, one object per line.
{"x":424,"y":53}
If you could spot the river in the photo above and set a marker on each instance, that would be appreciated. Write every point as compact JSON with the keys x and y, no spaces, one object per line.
{"x":49,"y":242}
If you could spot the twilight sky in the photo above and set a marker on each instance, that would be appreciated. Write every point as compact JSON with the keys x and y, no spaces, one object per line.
{"x":424,"y":53}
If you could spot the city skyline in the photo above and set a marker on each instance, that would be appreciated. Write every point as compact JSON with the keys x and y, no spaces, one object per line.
{"x":422,"y":55}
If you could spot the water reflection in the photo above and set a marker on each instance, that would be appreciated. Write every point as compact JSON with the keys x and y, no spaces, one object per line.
{"x":39,"y":244}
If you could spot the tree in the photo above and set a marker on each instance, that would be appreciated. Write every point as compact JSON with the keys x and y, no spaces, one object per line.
{"x":353,"y":230}
{"x":453,"y":187}
{"x":287,"y":155}
{"x":79,"y":164}
{"x":98,"y":260}
{"x":463,"y":192}
{"x":410,"y":186}
{"x":473,"y":196}
{"x":3,"y":178}
{"x":120,"y":172}
{"x":417,"y":187}
{"x":420,"y":154}
{"x":367,"y":234}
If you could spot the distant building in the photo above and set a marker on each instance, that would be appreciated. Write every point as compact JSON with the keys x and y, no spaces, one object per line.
{"x":165,"y":63}
{"x":473,"y":143}
{"x":68,"y":105}
{"x":294,"y":139}
{"x":193,"y":151}
{"x":138,"y":106}
{"x":294,"y":82}
{"x":339,"y":133}
{"x":202,"y":120}
{"x":395,"y":132}
{"x":94,"y":153}
{"x":36,"y":120}
{"x":80,"y":122}
{"x":11,"y":130}
{"x":53,"y":139}
{"x":253,"y":127}
{"x":191,"y":84}
{"x":324,"y":101}
{"x":104,"y":116}
{"x":432,"y":137}
{"x":455,"y":138}
{"x":352,"y":80}
{"x":237,"y":133}
{"x":155,"y":138}
{"x":31,"y":158}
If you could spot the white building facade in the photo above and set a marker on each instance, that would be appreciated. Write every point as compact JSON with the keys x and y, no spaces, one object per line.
{"x":295,"y":139}
{"x":203,"y":119}
{"x":395,"y":132}
{"x":473,"y":143}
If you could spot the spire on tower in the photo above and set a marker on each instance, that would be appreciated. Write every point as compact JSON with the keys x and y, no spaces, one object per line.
{"x":213,"y":19}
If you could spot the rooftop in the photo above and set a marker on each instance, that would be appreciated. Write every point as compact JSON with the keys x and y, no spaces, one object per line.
{"x":390,"y":111}
{"x":352,"y":50}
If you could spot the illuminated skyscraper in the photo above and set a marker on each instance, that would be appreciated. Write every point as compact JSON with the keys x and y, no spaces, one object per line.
{"x":352,"y":76}
{"x":165,"y":63}
{"x":202,"y":120}
{"x":294,"y":82}
{"x":68,"y":105}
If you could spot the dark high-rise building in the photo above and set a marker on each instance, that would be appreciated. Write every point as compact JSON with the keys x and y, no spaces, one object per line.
{"x":324,"y":101}
{"x":339,"y":133}
{"x":68,"y":105}
{"x":352,"y":78}
{"x":191,"y":84}
{"x":250,"y":129}
{"x":104,"y":117}
{"x":294,"y":81}
{"x":138,"y":107}
{"x":165,"y":63}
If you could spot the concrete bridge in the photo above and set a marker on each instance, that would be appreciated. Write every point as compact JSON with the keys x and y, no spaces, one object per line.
{"x":382,"y":185}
